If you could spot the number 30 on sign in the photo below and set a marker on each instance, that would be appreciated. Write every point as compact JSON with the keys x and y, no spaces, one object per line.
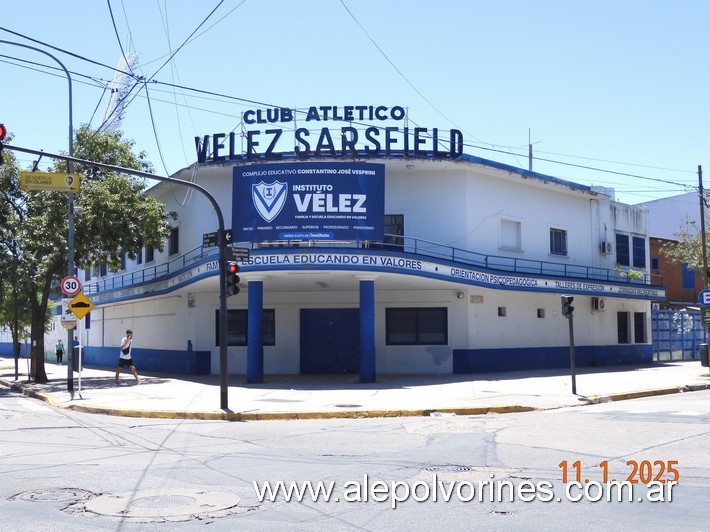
{"x":71,"y":285}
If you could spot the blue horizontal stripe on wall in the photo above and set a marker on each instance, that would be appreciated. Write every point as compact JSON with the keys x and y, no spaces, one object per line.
{"x":527,"y":358}
{"x":160,"y":360}
{"x":6,"y":349}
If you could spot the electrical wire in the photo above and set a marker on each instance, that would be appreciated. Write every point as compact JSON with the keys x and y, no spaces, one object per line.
{"x":115,"y":30}
{"x":143,"y":82}
{"x":379,"y":49}
{"x":77,"y":56}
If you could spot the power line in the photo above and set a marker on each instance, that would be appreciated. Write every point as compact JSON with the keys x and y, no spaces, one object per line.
{"x":115,"y":30}
{"x":395,"y":66}
{"x":77,"y":56}
{"x":264,"y":104}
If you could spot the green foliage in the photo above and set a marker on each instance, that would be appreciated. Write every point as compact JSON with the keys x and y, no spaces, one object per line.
{"x":112,"y":216}
{"x":688,"y":248}
{"x":634,"y":275}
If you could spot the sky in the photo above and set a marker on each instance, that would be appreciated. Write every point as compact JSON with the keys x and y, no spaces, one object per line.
{"x":609,"y":93}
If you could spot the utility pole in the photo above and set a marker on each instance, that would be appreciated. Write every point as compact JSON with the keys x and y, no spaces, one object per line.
{"x":222,"y":243}
{"x":70,"y":202}
{"x":529,"y":152}
{"x":701,"y":194}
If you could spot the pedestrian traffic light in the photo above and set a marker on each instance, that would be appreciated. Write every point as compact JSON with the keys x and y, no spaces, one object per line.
{"x":232,"y":278}
{"x":567,"y":308}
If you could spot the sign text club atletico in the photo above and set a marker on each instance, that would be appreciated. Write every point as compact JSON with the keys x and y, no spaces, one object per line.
{"x":369,"y":133}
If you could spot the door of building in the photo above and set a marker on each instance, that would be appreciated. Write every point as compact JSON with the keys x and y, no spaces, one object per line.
{"x":330,"y":340}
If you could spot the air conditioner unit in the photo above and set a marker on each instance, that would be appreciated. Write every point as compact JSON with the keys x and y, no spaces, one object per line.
{"x":598,"y":303}
{"x":605,"y":248}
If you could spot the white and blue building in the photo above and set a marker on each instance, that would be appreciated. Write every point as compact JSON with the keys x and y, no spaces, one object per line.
{"x":386,"y":250}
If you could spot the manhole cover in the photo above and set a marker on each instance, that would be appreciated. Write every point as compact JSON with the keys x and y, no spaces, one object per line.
{"x":448,"y":468}
{"x":164,"y":501}
{"x":163,"y":505}
{"x":53,"y":495}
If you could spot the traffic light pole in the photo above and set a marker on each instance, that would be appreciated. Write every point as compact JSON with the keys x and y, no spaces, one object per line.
{"x":222,"y":244}
{"x":572,"y":362}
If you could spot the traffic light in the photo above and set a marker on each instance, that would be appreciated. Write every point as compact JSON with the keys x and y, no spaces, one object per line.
{"x":3,"y":133}
{"x":567,"y":308}
{"x":230,"y":274}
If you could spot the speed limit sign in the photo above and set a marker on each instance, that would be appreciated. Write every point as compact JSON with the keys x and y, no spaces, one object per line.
{"x":71,"y":285}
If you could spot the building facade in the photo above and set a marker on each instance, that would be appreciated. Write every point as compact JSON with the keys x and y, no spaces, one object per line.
{"x":667,"y":216}
{"x":374,"y":260}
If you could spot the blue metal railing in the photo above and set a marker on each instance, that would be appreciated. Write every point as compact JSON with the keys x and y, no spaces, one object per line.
{"x":398,"y":243}
{"x":150,"y":273}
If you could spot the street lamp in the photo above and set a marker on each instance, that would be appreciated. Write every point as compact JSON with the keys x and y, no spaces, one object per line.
{"x":70,"y":239}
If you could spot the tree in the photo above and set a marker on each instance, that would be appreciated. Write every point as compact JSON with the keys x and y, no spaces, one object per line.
{"x":13,"y":311}
{"x":113,"y":216}
{"x":688,"y":248}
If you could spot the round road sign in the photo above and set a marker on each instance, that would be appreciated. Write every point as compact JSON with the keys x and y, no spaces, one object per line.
{"x":71,"y":285}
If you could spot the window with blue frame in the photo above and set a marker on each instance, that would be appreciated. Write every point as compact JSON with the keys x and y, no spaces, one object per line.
{"x":639,"y":252}
{"x":622,"y":249}
{"x":688,"y":277}
{"x":622,"y":328}
{"x":558,"y":241}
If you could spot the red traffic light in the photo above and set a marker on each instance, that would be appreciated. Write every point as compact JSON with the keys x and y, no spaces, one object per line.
{"x":3,"y":132}
{"x":231,"y":277}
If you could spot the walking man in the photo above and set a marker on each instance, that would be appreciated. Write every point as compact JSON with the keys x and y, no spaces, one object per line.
{"x":125,"y":358}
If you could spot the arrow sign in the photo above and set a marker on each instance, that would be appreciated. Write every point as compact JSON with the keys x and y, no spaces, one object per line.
{"x":704,"y":297}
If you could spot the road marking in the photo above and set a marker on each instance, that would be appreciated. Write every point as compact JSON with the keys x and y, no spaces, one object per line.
{"x":33,"y":405}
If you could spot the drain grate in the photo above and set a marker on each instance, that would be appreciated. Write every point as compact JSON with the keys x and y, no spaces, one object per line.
{"x":53,"y":495}
{"x":448,"y":468}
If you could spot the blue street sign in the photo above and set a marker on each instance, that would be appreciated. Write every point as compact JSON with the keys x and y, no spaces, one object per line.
{"x":704,"y":297}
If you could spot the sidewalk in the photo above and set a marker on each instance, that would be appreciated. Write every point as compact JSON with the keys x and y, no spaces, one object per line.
{"x":341,"y":396}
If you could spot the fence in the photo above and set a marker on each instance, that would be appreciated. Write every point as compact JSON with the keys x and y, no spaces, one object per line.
{"x":677,"y":335}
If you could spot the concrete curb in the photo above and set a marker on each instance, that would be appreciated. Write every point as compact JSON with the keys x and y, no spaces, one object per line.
{"x":647,"y":393}
{"x":341,"y":414}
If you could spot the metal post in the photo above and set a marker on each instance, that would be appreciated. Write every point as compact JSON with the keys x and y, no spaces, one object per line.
{"x":222,"y":249}
{"x":70,"y":240}
{"x":572,"y":364}
{"x":702,"y":225}
{"x":701,"y":195}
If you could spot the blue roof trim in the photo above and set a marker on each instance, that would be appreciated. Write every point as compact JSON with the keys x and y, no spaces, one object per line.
{"x":382,"y":261}
{"x":400,"y":155}
{"x":526,"y":173}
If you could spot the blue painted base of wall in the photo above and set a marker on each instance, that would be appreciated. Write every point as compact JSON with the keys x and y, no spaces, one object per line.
{"x":6,"y":349}
{"x":160,"y":360}
{"x":521,"y":359}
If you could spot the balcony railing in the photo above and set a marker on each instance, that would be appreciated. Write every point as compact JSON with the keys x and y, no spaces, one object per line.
{"x":396,"y":243}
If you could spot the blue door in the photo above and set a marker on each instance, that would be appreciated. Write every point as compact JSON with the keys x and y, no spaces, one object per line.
{"x":330,"y":340}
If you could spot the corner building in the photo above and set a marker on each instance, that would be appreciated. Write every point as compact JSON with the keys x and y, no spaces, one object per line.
{"x":432,"y":266}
